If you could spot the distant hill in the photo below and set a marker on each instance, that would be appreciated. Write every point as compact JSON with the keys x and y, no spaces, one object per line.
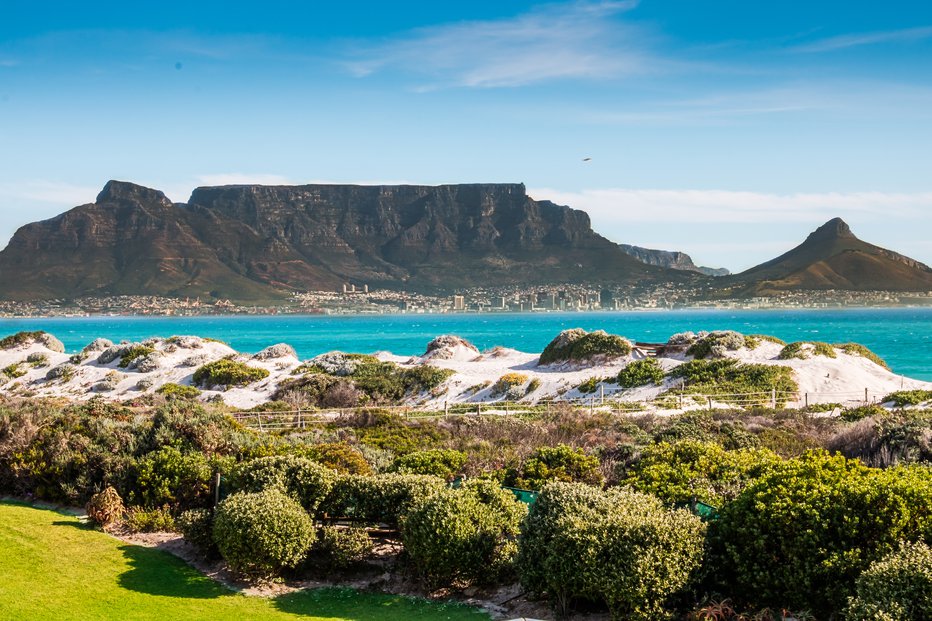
{"x":252,"y":242}
{"x":671,"y":259}
{"x":832,"y":258}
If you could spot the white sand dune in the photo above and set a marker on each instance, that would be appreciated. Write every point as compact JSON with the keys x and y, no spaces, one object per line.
{"x":843,"y":379}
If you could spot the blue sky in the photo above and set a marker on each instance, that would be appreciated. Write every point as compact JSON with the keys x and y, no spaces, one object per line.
{"x":727,"y":129}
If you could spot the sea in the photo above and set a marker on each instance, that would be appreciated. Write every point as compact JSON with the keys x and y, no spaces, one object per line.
{"x":902,"y":336}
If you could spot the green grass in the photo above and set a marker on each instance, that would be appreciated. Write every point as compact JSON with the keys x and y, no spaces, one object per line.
{"x":54,"y":567}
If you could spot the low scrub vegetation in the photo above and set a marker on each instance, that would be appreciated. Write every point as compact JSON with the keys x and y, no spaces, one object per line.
{"x":903,"y":398}
{"x":577,"y":345}
{"x":640,"y":373}
{"x":735,"y":382}
{"x":811,"y":512}
{"x":228,"y":373}
{"x":802,"y":350}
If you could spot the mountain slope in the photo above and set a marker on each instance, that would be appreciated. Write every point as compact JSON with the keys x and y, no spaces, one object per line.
{"x":833,"y":258}
{"x":671,"y":259}
{"x":262,"y":242}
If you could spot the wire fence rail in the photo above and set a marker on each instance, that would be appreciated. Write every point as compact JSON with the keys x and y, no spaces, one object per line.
{"x":670,"y":402}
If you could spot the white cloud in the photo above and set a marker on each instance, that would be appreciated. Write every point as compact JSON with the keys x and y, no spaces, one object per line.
{"x":830,"y":44}
{"x":575,"y":40}
{"x":706,"y":206}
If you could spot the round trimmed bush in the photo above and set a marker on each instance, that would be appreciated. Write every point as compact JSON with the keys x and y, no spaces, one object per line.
{"x":466,"y":535}
{"x":800,"y":535}
{"x":896,"y":588}
{"x":640,"y":373}
{"x":262,"y":533}
{"x":169,"y":477}
{"x":621,"y":547}
{"x":578,"y":345}
{"x":306,"y":481}
{"x":226,"y":372}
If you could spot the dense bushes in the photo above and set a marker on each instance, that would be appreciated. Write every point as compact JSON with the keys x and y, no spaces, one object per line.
{"x":168,"y":476}
{"x":228,"y":373}
{"x":802,"y":533}
{"x":735,"y":382}
{"x":197,"y":527}
{"x":262,"y":533}
{"x":303,"y":480}
{"x":443,"y":463}
{"x":341,"y":547}
{"x":903,"y":398}
{"x":467,"y":535}
{"x":621,"y":547}
{"x":641,"y":372}
{"x":577,"y":344}
{"x":896,"y":588}
{"x":559,"y":463}
{"x":689,"y":470}
{"x":381,"y":499}
{"x":178,"y":391}
{"x":717,"y":344}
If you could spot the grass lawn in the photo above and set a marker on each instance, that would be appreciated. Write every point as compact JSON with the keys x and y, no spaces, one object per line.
{"x":54,"y":567}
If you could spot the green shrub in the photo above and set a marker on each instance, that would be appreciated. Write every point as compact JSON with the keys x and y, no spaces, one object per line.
{"x":898,"y":587}
{"x":105,"y":507}
{"x":442,"y":463}
{"x":818,"y":521}
{"x":689,"y":470}
{"x":226,"y":372}
{"x":14,"y":371}
{"x":621,"y":547}
{"x":590,"y":385}
{"x":802,"y":350}
{"x":197,"y":527}
{"x":20,"y":338}
{"x":467,"y":535}
{"x":178,"y":391}
{"x":641,"y":372}
{"x":168,"y":476}
{"x":850,"y":415}
{"x":732,"y":382}
{"x":130,"y":354}
{"x":903,"y":398}
{"x":558,"y":463}
{"x":37,"y":359}
{"x":578,"y":344}
{"x":154,"y":520}
{"x":508,"y":384}
{"x":393,"y":433}
{"x":262,"y":533}
{"x":305,"y":481}
{"x":716,"y":344}
{"x":339,"y":457}
{"x":533,"y":385}
{"x":856,"y":349}
{"x":382,"y":498}
{"x":341,"y":547}
{"x":753,"y":340}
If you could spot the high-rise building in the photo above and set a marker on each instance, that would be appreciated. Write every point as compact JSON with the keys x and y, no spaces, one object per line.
{"x":459,"y":303}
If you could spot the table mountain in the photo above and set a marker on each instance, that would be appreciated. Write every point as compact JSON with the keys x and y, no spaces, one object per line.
{"x":832,"y":258}
{"x":251,"y":242}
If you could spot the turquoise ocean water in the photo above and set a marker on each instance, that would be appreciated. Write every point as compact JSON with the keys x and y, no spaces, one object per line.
{"x":902,"y":336}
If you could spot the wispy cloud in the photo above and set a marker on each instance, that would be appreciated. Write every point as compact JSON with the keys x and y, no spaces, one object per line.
{"x":617,"y":206}
{"x":577,"y":40}
{"x":830,"y":44}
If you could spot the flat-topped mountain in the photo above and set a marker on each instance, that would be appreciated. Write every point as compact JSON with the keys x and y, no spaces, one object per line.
{"x":833,"y":258}
{"x":671,"y":259}
{"x":251,"y":242}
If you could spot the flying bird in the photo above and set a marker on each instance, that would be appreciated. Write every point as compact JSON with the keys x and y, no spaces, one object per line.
{"x":587,"y":159}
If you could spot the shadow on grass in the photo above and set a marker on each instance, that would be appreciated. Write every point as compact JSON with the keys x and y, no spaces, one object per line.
{"x":155,"y":572}
{"x":346,"y":603}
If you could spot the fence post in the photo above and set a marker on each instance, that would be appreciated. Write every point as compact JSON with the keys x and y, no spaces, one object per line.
{"x":865,"y":396}
{"x":590,"y":405}
{"x":681,"y":398}
{"x":300,"y":420}
{"x":216,"y":488}
{"x":478,"y":408}
{"x":710,"y":403}
{"x":773,"y":398}
{"x":601,"y":394}
{"x":807,"y":400}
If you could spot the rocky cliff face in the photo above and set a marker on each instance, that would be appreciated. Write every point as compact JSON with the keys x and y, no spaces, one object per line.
{"x":671,"y":259}
{"x":258,"y":242}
